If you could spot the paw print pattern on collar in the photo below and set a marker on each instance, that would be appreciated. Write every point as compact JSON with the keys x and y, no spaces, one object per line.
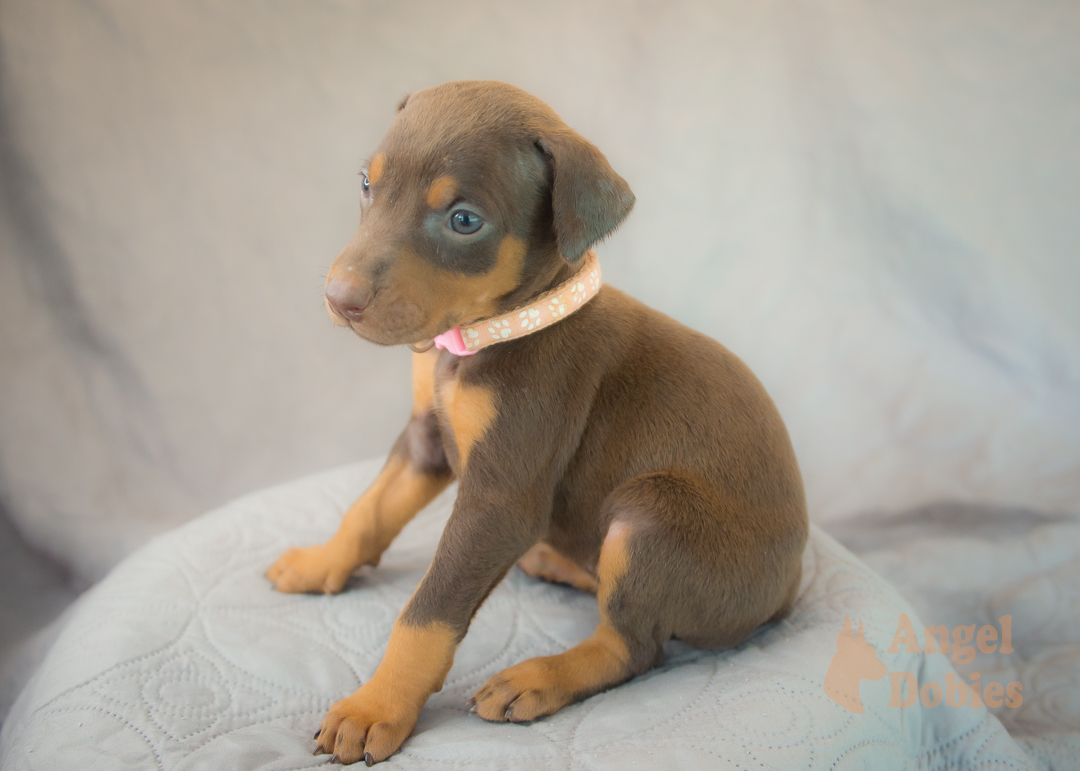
{"x":544,"y":311}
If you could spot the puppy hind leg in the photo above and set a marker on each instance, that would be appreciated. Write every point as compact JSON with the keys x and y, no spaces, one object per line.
{"x":615,"y":653}
{"x":545,"y":563}
{"x":680,"y":559}
{"x":708,"y":568}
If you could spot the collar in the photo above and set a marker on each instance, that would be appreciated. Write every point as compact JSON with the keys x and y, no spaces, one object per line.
{"x":550,"y":307}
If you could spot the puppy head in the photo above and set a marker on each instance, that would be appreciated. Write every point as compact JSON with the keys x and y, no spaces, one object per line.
{"x":478,"y":198}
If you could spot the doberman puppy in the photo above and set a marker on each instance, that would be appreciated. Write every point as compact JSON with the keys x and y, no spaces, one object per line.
{"x":610,"y":448}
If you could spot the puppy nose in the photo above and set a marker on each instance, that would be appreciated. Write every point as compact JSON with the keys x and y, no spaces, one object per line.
{"x":347,"y":299}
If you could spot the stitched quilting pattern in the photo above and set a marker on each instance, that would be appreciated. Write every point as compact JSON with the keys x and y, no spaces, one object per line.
{"x":184,"y":658}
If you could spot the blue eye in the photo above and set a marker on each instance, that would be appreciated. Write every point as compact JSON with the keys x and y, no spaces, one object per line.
{"x":465,"y":222}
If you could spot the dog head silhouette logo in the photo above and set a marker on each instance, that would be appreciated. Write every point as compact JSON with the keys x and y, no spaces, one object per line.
{"x":855,"y":660}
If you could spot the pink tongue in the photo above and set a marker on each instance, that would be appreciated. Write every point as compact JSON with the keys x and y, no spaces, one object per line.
{"x":452,"y":341}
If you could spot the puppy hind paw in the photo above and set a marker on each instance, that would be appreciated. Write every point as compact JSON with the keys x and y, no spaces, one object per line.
{"x":519,"y":694}
{"x":313,"y":569}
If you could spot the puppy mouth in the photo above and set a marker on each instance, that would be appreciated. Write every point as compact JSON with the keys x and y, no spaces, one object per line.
{"x":386,"y":327}
{"x":419,"y":339}
{"x":335,"y":318}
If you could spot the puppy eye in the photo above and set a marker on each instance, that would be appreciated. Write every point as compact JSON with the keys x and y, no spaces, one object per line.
{"x":365,"y":186}
{"x":465,"y":222}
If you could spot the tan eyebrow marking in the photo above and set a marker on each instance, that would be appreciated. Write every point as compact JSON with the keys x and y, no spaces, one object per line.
{"x":442,"y":192}
{"x":376,"y":169}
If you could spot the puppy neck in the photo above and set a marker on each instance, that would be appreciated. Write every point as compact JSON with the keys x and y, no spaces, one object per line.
{"x":542,"y":311}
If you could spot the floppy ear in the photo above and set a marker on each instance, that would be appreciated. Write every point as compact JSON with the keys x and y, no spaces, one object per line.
{"x":588,"y":199}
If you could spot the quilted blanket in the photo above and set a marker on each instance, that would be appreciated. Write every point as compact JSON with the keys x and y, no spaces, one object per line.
{"x":184,"y":658}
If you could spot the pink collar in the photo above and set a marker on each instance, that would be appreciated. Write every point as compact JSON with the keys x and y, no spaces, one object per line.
{"x":544,"y":311}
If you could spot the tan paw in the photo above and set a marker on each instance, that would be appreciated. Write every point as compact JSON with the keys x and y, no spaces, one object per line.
{"x":313,"y":569}
{"x":369,"y":725}
{"x":521,"y":693}
{"x":543,"y":562}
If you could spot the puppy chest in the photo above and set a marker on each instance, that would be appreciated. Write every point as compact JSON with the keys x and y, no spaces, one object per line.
{"x":466,"y":412}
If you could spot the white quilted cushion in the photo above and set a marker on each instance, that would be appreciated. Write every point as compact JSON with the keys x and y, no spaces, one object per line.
{"x":184,"y":658}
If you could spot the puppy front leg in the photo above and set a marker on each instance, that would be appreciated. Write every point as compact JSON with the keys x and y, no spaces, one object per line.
{"x":414,"y":474}
{"x":477,"y":549}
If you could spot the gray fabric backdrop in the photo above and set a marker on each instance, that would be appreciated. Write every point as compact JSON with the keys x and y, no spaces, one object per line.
{"x":875,"y":204}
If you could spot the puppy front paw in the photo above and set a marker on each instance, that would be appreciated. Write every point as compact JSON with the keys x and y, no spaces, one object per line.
{"x":313,"y":569}
{"x":369,"y":725}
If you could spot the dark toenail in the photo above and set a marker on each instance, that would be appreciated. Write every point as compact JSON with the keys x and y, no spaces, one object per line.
{"x":509,"y":713}
{"x":370,"y":761}
{"x":335,"y":759}
{"x":316,"y":736}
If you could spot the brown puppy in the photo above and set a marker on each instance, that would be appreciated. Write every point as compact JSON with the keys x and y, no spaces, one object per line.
{"x":615,"y":450}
